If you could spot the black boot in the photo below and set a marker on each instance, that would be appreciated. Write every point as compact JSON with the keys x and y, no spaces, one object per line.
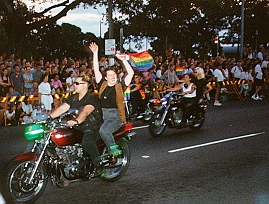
{"x":99,"y":170}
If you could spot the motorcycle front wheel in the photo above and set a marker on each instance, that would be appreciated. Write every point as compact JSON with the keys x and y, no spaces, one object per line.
{"x":155,"y":126}
{"x":116,"y":169}
{"x":17,"y":187}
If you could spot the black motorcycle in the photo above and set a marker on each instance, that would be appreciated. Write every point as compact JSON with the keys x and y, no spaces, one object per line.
{"x":170,"y":113}
{"x":148,"y":112}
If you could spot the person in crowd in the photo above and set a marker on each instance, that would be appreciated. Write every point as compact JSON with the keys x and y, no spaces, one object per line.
{"x":45,"y":93}
{"x":38,"y":73}
{"x":10,"y":115}
{"x":4,"y":82}
{"x":202,"y":86}
{"x":147,"y":83}
{"x":189,"y":98}
{"x":138,"y":94}
{"x":16,"y":79}
{"x":236,"y":70}
{"x":55,"y":83}
{"x":12,"y":92}
{"x":63,"y":76}
{"x":28,"y":81}
{"x":219,"y":79}
{"x":103,"y":62}
{"x":171,"y":78}
{"x":56,"y":103}
{"x":111,"y":98}
{"x":19,"y":113}
{"x":88,"y":120}
{"x":152,"y":74}
{"x":34,"y":89}
{"x":27,"y":107}
{"x":265,"y":64}
{"x":70,"y":82}
{"x":245,"y":78}
{"x":260,"y":54}
{"x":258,"y":80}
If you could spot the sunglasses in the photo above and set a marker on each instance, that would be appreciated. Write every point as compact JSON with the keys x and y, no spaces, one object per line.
{"x":78,"y":83}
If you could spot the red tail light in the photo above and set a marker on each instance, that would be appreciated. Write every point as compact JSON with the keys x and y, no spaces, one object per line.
{"x":128,"y":127}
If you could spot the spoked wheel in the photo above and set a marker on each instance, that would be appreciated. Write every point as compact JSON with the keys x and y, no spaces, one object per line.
{"x":155,"y":126}
{"x":18,"y":187}
{"x":198,"y":121}
{"x":117,"y":167}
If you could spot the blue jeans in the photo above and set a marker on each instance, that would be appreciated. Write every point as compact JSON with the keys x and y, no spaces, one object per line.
{"x":112,"y":123}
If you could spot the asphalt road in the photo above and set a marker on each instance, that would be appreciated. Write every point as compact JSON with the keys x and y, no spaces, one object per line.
{"x":227,"y":161}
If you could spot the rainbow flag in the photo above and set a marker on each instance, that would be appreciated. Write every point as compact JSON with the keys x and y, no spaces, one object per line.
{"x":180,"y":69}
{"x":127,"y":94}
{"x":141,"y":60}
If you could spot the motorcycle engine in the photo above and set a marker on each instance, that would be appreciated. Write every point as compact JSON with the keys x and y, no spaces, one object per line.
{"x":69,"y":158}
{"x":177,"y":116}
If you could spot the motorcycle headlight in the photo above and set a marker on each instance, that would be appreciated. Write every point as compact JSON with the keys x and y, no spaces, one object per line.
{"x":34,"y":131}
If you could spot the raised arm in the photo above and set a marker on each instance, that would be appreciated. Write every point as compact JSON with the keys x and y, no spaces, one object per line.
{"x":98,"y":75}
{"x":129,"y":69}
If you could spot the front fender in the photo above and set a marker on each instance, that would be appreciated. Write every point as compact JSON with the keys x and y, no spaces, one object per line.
{"x":26,"y":156}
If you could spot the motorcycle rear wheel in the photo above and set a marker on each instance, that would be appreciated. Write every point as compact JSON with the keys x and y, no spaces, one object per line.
{"x":155,"y":126}
{"x":16,"y":186}
{"x":115,"y":172}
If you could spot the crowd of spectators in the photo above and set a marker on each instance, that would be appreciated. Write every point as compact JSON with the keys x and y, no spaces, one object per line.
{"x":22,"y":77}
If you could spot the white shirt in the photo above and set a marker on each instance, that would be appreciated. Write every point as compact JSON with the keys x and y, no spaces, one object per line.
{"x":258,"y":70}
{"x":27,"y":108}
{"x":264,"y":64}
{"x":246,"y":76}
{"x":9,"y":115}
{"x":260,"y":55}
{"x":226,"y":73}
{"x":70,"y":81}
{"x":189,"y":95}
{"x":218,"y":74}
{"x":236,"y":71}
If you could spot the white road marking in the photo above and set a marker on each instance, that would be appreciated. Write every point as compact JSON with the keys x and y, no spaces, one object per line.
{"x":139,"y":127}
{"x":215,"y":142}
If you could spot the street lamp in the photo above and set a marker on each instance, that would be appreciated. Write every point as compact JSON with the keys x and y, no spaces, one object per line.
{"x":101,"y":18}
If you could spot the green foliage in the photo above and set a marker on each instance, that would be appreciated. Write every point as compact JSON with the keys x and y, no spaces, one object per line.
{"x":186,"y":25}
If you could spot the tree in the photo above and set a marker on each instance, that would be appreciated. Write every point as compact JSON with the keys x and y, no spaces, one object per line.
{"x":17,"y":21}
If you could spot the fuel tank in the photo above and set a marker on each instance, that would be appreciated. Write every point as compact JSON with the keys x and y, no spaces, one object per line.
{"x":64,"y":136}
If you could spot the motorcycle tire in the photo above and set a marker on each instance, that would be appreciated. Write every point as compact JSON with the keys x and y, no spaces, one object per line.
{"x":115,"y":172}
{"x":198,"y":122}
{"x":16,"y":187}
{"x":155,"y":128}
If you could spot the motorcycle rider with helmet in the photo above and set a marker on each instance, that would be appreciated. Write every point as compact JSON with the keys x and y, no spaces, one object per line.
{"x":88,"y":120}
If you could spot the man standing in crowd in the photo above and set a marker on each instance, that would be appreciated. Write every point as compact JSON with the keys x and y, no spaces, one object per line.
{"x":219,"y":79}
{"x":258,"y":80}
{"x":236,"y":70}
{"x":16,"y":79}
{"x":38,"y":73}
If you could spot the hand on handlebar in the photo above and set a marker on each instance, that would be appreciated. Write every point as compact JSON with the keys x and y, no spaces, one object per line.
{"x":71,"y":123}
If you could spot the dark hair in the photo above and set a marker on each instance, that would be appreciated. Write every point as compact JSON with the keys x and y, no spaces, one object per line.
{"x":44,"y":76}
{"x":114,"y":69}
{"x":69,"y":74}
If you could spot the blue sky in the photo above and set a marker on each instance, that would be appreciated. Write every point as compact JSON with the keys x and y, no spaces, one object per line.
{"x":87,"y":19}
